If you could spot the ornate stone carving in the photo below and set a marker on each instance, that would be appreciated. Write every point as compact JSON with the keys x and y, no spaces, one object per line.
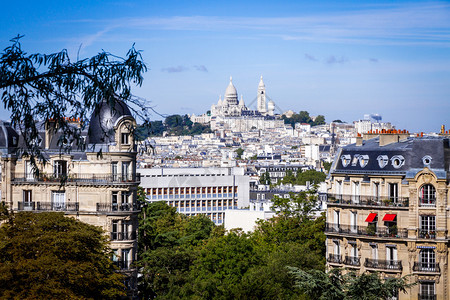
{"x":412,"y":246}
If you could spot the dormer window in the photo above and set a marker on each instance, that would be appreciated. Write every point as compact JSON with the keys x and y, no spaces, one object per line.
{"x":125,"y":138}
{"x":397,"y":161}
{"x":363,"y":160}
{"x":345,"y":160}
{"x":426,"y":160}
{"x":382,"y":161}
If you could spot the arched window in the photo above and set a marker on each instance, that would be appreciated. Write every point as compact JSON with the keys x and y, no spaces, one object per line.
{"x":427,"y":195}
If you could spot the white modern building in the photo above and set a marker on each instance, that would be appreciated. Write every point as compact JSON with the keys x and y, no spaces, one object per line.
{"x":193,"y":191}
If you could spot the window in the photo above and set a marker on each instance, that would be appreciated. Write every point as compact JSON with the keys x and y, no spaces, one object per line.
{"x":397,"y":161}
{"x":114,"y":200}
{"x":27,"y":200}
{"x":60,"y":168}
{"x":391,"y":255}
{"x":427,"y":260}
{"x":125,"y":170}
{"x":59,"y":200}
{"x":374,"y":252}
{"x":353,"y":222}
{"x":427,"y":227}
{"x":376,"y":191}
{"x":29,"y":174}
{"x":114,"y":171}
{"x":126,"y":258}
{"x":125,"y":138}
{"x":114,"y":231}
{"x":126,"y":230}
{"x":427,"y":195}
{"x":427,"y":290}
{"x":355,"y":191}
{"x":393,"y":192}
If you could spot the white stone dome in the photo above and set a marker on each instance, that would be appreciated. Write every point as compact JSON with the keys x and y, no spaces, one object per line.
{"x":271,"y":105}
{"x":231,"y":90}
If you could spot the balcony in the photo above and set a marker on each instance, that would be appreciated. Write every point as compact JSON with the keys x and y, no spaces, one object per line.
{"x":117,"y":207}
{"x":427,"y":202}
{"x":123,"y":236}
{"x":353,"y":200}
{"x":91,"y":178}
{"x":367,"y":231}
{"x":383,"y":264}
{"x":334,"y":258}
{"x":48,"y":206}
{"x":352,"y":261}
{"x":427,"y":234}
{"x":426,"y":297}
{"x":426,"y":267}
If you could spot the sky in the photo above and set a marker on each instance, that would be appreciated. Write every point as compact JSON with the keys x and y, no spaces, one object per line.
{"x":340,"y":59}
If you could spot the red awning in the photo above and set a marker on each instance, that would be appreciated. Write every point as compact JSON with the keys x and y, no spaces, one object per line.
{"x":371,"y":217}
{"x":389,"y":217}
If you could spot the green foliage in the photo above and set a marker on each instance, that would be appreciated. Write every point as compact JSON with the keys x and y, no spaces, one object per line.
{"x":313,"y":176}
{"x":47,"y":255}
{"x":174,"y":125}
{"x":191,"y":258}
{"x":303,"y":117}
{"x":327,"y":165}
{"x":334,"y":285}
{"x":265,"y":178}
{"x":239,"y":152}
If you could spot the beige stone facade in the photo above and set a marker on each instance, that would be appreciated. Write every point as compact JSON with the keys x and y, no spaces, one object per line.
{"x":387,"y":211}
{"x":95,"y":187}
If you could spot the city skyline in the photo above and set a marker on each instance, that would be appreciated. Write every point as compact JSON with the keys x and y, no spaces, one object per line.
{"x":339,"y":60}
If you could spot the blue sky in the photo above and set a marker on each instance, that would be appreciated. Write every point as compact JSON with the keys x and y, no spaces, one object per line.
{"x":342,"y":60}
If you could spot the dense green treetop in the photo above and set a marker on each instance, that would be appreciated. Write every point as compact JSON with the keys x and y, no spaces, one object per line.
{"x":49,"y":256}
{"x":334,"y":285}
{"x":303,"y":117}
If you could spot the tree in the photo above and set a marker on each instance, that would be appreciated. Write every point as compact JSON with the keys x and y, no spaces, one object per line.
{"x":239,"y":152}
{"x":53,"y":87}
{"x":320,"y":120}
{"x":334,"y":285}
{"x":265,"y":178}
{"x":47,"y":255}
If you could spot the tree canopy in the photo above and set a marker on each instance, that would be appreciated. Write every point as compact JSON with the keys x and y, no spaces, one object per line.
{"x":301,"y":178}
{"x":55,"y":87}
{"x":334,"y":285}
{"x":303,"y":117}
{"x":47,"y":255}
{"x":188,"y":257}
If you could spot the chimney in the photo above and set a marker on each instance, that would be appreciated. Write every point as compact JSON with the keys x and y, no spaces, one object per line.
{"x":50,"y":130}
{"x":359,"y":140}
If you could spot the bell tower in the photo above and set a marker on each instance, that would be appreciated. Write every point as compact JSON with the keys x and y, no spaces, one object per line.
{"x":261,"y":97}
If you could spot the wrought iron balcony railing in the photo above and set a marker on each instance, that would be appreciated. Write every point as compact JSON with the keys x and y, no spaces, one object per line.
{"x":78,"y":178}
{"x":427,"y":234}
{"x":48,"y":206}
{"x":123,"y":236}
{"x":391,"y":232}
{"x":426,"y":267}
{"x":368,"y":200}
{"x":383,"y":264}
{"x":119,"y":207}
{"x":334,"y":258}
{"x":427,"y":201}
{"x":427,"y":297}
{"x":352,"y":261}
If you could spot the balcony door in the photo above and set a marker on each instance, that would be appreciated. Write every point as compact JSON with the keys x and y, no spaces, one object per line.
{"x":427,"y":259}
{"x":391,"y":256}
{"x":355,"y":192}
{"x":29,"y":174}
{"x":59,"y":200}
{"x":27,"y":200}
